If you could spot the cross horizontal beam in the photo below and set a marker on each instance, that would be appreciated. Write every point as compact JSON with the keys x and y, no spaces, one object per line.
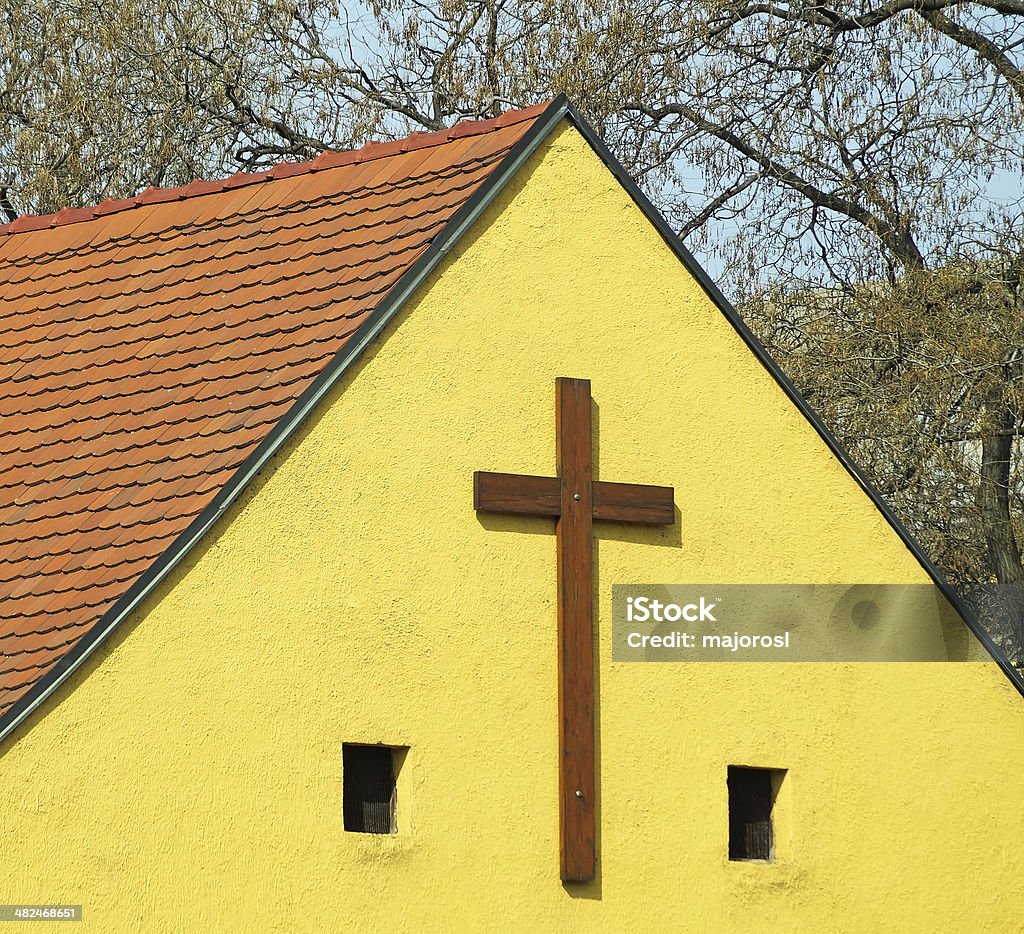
{"x":525,"y":495}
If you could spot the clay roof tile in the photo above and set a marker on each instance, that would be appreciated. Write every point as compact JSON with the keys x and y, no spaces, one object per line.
{"x":149,"y":345}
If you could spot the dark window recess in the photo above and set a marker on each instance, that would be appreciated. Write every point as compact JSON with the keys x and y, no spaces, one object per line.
{"x":751,"y":796}
{"x":368,"y":775}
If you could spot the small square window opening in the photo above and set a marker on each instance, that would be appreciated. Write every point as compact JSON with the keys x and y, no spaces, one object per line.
{"x":368,"y":796}
{"x":752,"y":795}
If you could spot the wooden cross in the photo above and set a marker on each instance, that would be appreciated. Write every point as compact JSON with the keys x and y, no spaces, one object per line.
{"x":574,"y":500}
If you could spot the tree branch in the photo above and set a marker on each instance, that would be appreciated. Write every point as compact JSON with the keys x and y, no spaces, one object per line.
{"x":987,"y":49}
{"x":899,"y":242}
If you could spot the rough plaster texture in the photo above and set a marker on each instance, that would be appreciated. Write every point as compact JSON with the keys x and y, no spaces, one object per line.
{"x":189,"y":777}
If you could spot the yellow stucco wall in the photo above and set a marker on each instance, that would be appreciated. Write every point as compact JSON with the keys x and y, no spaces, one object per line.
{"x":189,"y":778}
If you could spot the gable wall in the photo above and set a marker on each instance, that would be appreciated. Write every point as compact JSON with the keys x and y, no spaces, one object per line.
{"x":190,"y":775}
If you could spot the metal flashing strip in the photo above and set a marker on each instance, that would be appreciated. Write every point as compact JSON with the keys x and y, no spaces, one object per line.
{"x":392,"y":303}
{"x":725,"y":306}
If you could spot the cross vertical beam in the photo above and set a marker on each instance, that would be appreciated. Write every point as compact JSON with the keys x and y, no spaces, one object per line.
{"x":576,"y":778}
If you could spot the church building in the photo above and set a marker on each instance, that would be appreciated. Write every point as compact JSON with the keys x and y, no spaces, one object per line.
{"x":315,"y":487}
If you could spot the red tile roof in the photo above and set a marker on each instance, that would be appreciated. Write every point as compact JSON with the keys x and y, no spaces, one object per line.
{"x":149,"y":345}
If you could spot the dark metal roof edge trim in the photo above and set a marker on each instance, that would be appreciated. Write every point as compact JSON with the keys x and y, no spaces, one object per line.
{"x":371,"y":329}
{"x":725,"y":306}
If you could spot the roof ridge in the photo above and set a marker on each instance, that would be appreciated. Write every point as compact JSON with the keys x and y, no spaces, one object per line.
{"x":329,"y":159}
